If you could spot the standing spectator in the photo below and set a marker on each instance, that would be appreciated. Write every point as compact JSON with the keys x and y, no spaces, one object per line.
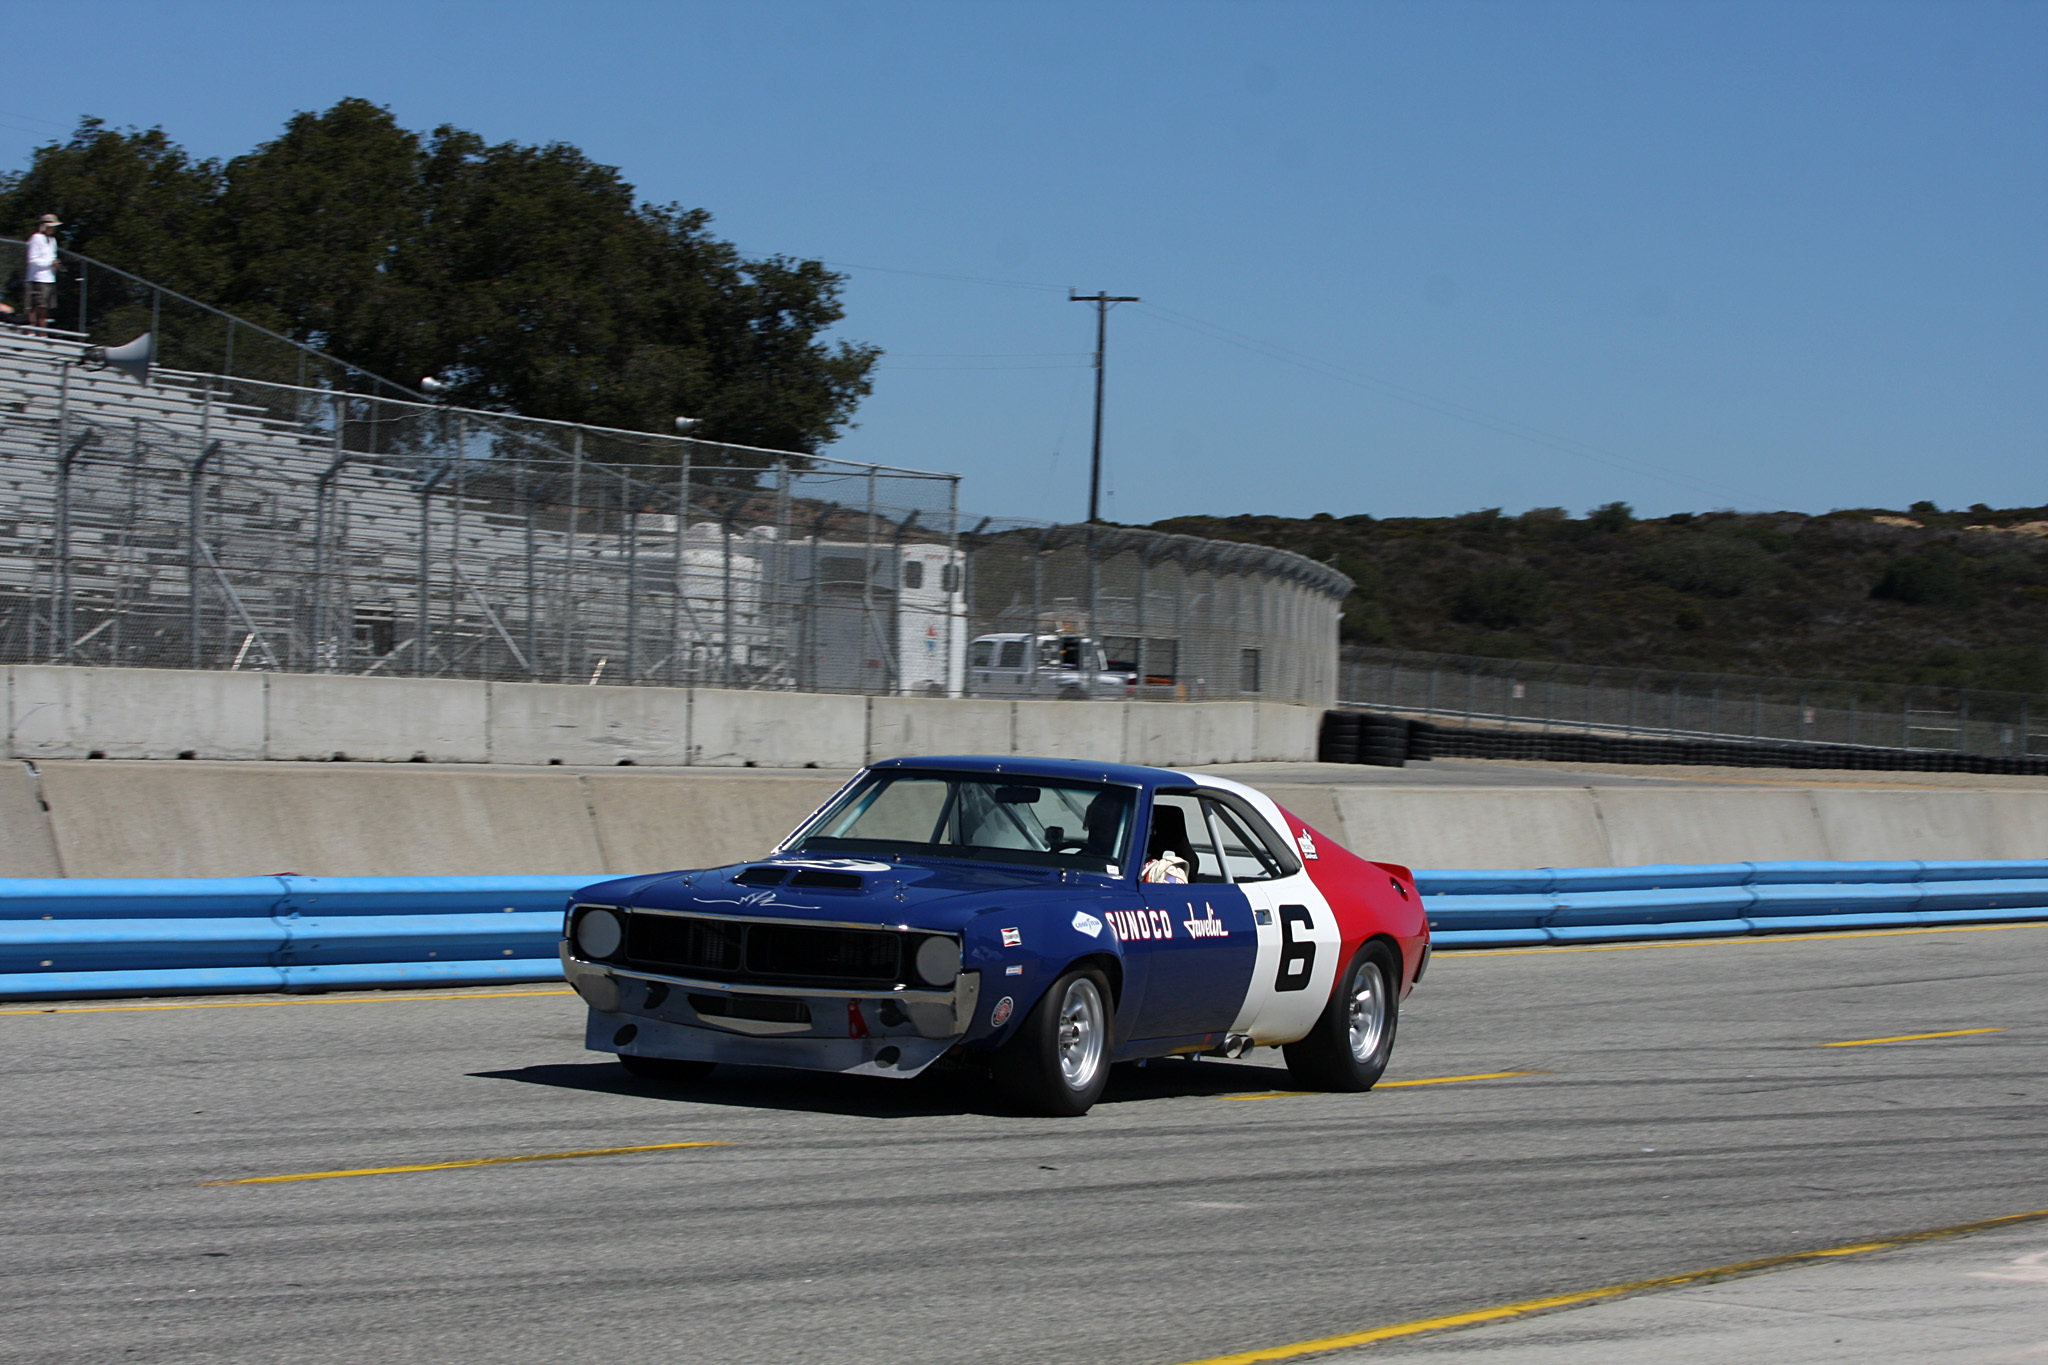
{"x":43,"y":266}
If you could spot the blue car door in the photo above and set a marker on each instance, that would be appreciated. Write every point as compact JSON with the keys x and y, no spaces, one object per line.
{"x":1197,"y":937}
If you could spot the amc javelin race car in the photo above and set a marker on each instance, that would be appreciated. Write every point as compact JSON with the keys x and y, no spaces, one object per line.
{"x":1043,"y":917}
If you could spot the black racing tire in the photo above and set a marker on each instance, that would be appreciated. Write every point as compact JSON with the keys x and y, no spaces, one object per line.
{"x":1351,"y":1043}
{"x":670,"y":1069}
{"x":1057,"y":1063}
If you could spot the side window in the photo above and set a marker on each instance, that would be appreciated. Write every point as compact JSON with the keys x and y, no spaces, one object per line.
{"x":1178,"y":826}
{"x":1245,"y":858}
{"x":1011,"y":655}
{"x":981,"y":654}
{"x":913,"y":573}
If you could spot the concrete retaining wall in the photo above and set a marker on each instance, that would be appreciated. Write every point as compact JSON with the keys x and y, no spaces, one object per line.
{"x":126,"y":818}
{"x":66,"y":712}
{"x":1482,"y":827}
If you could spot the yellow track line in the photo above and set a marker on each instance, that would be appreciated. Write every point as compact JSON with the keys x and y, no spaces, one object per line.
{"x":456,"y":1165}
{"x":1744,"y":940}
{"x":1505,"y":1311}
{"x":1913,"y":1037}
{"x":1390,"y":1085}
{"x":395,"y":998}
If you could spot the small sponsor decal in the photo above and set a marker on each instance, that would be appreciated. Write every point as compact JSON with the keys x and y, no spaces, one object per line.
{"x":1087,"y":924}
{"x":1138,"y":925}
{"x":1014,"y":969}
{"x":1000,"y":1015}
{"x":1306,"y":844}
{"x":1012,"y":938}
{"x":1206,"y":927}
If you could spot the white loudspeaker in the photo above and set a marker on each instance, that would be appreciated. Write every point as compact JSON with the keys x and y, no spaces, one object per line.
{"x":132,"y":359}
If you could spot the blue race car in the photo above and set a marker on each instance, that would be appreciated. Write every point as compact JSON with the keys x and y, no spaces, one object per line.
{"x":1043,"y":917}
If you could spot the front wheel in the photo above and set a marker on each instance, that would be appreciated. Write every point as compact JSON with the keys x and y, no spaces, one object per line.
{"x":1058,"y":1062}
{"x":671,"y":1069}
{"x":1353,"y":1040}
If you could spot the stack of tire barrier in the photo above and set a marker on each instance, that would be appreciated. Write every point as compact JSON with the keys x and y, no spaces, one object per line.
{"x":1498,"y":909}
{"x":1398,"y":740}
{"x":1358,"y":737}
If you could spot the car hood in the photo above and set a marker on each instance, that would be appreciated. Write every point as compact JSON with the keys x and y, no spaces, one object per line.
{"x":928,"y":894}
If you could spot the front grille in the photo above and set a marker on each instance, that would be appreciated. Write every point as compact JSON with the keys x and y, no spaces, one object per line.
{"x":722,"y":950}
{"x":824,"y":954}
{"x":711,"y":946}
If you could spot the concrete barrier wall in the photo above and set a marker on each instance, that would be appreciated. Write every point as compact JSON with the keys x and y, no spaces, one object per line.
{"x":128,"y":818}
{"x":1482,"y":827}
{"x":66,"y":712}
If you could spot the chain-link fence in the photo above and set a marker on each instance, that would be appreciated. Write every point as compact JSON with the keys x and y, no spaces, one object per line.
{"x":1553,"y":697}
{"x":206,"y":521}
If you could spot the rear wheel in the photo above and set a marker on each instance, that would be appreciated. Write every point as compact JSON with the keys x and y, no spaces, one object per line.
{"x":1353,"y":1039}
{"x":664,"y":1068}
{"x":1058,"y":1062}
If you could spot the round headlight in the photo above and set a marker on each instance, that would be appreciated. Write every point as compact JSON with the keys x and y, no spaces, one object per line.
{"x":599,"y":933}
{"x":938,"y":961}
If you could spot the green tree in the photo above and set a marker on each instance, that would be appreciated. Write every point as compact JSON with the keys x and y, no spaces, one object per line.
{"x":1502,"y":598}
{"x":527,"y":277}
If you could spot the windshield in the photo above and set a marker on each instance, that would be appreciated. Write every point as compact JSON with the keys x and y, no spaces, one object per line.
{"x":983,"y":816}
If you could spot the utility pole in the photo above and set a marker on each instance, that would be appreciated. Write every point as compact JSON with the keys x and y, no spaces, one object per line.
{"x":1102,"y":302}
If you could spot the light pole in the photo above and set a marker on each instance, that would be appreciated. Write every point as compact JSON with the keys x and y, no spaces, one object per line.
{"x":1102,"y":302}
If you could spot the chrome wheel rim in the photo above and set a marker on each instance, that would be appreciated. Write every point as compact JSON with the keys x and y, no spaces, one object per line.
{"x":1080,"y":1037}
{"x":1368,"y":1010}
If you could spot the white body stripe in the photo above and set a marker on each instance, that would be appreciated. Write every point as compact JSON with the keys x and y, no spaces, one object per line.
{"x":1271,"y":1015}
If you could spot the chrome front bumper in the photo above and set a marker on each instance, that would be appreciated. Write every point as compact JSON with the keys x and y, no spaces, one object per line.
{"x":870,"y":1033}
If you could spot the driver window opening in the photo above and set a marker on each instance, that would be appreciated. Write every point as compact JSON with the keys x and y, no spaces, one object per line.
{"x":1179,"y":828}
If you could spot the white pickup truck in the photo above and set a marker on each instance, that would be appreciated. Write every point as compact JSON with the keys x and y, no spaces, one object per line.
{"x":1067,"y":667}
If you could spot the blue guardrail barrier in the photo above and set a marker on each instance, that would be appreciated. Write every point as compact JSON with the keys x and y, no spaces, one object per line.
{"x":75,"y":938}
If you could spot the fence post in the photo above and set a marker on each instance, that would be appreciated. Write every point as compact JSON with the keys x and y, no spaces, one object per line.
{"x":1471,"y":691}
{"x":423,"y":631}
{"x":629,"y":527}
{"x":569,"y":548}
{"x":195,"y":511}
{"x":867,"y":587}
{"x":1634,"y":682}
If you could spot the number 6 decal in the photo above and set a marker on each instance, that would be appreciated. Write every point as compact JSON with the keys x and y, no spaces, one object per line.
{"x":1297,"y":955}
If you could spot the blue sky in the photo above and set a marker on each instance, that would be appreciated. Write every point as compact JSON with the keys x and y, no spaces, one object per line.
{"x":1395,"y":258}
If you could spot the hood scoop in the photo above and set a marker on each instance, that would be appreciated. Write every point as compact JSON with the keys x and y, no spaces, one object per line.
{"x":800,"y":878}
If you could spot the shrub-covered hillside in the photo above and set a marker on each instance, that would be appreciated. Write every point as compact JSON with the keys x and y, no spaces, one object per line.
{"x":1924,"y":596}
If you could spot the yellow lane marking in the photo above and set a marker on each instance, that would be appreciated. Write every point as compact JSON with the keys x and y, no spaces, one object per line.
{"x":456,"y":1165}
{"x":1389,"y":1085}
{"x":1505,"y":1311}
{"x":395,"y":998}
{"x":1735,"y":942}
{"x":1914,"y":1037}
{"x":1447,"y":1080}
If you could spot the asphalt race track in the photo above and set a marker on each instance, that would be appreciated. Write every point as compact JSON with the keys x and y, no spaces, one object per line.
{"x":1681,"y":1112}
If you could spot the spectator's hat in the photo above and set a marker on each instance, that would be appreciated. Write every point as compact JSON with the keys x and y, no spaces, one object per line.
{"x":51,"y":220}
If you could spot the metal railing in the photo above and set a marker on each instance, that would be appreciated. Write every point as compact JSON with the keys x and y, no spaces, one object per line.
{"x":1551,"y":697}
{"x":216,"y":521}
